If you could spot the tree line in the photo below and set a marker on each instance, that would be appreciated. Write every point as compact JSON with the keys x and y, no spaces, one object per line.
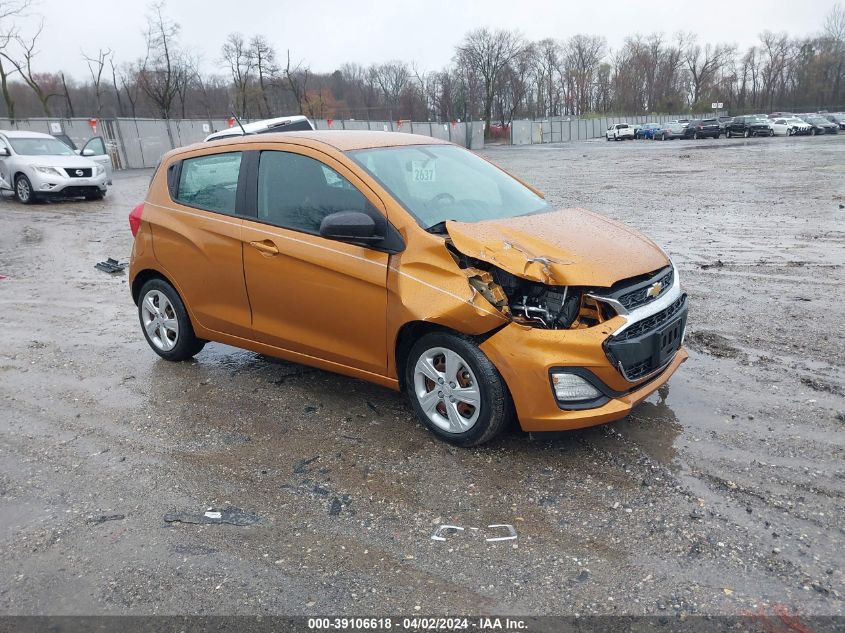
{"x":494,"y":75}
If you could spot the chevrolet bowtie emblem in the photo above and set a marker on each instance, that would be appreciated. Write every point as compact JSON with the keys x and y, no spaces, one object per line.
{"x":654,"y":290}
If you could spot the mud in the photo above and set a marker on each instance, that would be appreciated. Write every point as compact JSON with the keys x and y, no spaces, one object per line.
{"x":722,"y":493}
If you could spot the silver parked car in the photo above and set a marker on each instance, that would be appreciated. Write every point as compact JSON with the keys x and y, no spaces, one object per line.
{"x":37,"y":166}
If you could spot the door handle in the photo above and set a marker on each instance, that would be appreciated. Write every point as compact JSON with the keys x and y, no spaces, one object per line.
{"x":266,"y":247}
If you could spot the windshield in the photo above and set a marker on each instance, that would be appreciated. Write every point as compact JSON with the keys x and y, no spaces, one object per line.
{"x":40,"y":147}
{"x":436,"y":183}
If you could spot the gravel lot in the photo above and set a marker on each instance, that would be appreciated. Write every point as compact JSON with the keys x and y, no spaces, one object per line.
{"x":722,"y":494}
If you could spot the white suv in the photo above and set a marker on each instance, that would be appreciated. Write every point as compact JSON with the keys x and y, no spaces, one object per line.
{"x":36,"y":166}
{"x":619,"y":132}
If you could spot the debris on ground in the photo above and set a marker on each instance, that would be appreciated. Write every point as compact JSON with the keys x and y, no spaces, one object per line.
{"x":821,"y":385}
{"x":111,"y":266}
{"x":230,"y":515}
{"x":502,"y":532}
{"x":103,"y":518}
{"x":717,"y":264}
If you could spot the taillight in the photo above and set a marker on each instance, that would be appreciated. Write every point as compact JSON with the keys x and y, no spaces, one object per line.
{"x":135,"y":219}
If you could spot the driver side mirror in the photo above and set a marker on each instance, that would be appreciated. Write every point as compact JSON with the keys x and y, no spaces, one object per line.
{"x":350,"y":226}
{"x":4,"y":151}
{"x":88,"y":152}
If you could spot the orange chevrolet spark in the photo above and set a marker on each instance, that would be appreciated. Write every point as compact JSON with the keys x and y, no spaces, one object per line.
{"x":412,"y":263}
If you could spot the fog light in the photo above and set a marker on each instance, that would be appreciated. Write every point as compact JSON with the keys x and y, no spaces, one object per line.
{"x":572,"y":388}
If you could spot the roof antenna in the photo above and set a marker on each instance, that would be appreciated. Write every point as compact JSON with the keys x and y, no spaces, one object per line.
{"x":238,"y":121}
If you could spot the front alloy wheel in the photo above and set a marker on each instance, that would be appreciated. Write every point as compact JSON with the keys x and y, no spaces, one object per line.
{"x":455,"y":390}
{"x":23,"y":190}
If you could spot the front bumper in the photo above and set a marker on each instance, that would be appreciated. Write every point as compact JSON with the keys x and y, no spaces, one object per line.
{"x":525,"y":357}
{"x":63,"y":186}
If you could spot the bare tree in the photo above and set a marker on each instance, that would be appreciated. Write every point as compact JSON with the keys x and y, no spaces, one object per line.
{"x":39,"y":82}
{"x":582,"y":57}
{"x":159,"y":72}
{"x":117,"y":97}
{"x":703,"y":63}
{"x":239,"y":58}
{"x":392,"y":78}
{"x":68,"y":101}
{"x":547,"y":61}
{"x":487,"y":53}
{"x":96,"y":66}
{"x":9,"y":11}
{"x":297,"y":78}
{"x":266,"y":68}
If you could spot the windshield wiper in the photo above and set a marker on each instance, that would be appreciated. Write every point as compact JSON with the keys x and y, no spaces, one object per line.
{"x":439,"y":228}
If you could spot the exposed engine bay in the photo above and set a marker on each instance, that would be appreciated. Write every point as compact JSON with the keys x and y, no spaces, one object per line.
{"x":532,"y":303}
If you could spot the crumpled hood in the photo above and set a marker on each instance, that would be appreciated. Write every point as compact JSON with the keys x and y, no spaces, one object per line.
{"x":572,"y":247}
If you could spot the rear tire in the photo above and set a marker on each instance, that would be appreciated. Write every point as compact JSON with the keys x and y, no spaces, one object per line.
{"x":445,"y":372}
{"x":165,"y":322}
{"x":812,"y":131}
{"x":747,"y":133}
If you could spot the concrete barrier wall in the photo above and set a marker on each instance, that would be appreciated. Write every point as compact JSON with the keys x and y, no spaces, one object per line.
{"x":141,"y":142}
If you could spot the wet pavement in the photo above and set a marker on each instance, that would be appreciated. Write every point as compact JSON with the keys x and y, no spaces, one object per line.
{"x":242,"y":484}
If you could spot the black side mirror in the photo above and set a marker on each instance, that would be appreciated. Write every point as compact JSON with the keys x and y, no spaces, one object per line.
{"x":350,"y":226}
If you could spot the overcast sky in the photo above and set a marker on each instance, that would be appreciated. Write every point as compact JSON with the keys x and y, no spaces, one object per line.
{"x":327,"y":33}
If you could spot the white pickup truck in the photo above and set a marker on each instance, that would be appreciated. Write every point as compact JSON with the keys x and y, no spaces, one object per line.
{"x":619,"y":132}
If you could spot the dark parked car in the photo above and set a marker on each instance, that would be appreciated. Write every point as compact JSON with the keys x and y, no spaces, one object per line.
{"x":820,"y":124}
{"x":646,"y":130}
{"x":836,"y":117}
{"x":669,"y":130}
{"x":751,"y":125}
{"x":724,"y":122}
{"x":703,"y":128}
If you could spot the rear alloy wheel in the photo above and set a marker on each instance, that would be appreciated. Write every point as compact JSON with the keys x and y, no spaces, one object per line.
{"x":455,"y":390}
{"x":696,"y":136}
{"x":23,"y":190}
{"x":165,"y":322}
{"x":747,"y":133}
{"x":812,"y":131}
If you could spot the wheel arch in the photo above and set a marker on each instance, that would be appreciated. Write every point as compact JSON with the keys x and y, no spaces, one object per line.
{"x":143,"y":277}
{"x":412,"y":331}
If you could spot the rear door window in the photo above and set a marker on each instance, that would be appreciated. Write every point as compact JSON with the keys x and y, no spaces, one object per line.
{"x":210,"y":182}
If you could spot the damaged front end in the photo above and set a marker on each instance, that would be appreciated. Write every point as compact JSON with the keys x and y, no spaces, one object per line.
{"x":634,"y":320}
{"x":533,"y":303}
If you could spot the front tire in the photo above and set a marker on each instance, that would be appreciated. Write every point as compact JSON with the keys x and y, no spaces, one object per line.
{"x":456,"y":391}
{"x":23,"y":190}
{"x":165,"y":322}
{"x":747,"y":133}
{"x":96,"y":196}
